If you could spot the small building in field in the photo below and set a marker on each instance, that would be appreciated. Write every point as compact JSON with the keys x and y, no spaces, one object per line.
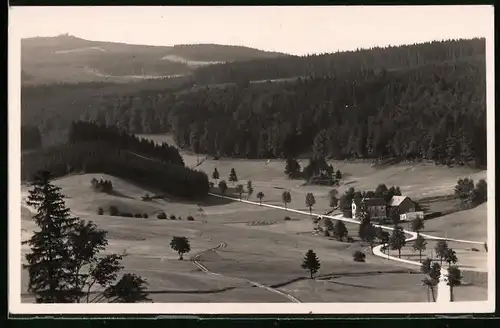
{"x":376,"y":207}
{"x":403,"y":203}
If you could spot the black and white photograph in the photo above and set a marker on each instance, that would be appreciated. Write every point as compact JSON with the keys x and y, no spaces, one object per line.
{"x":261,"y":159}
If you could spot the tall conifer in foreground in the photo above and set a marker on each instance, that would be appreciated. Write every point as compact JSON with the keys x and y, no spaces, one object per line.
{"x":64,"y":262}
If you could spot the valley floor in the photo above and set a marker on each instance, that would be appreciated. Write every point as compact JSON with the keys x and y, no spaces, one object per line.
{"x":259,"y":246}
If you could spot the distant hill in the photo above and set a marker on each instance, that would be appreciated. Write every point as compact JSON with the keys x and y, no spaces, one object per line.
{"x":66,"y":58}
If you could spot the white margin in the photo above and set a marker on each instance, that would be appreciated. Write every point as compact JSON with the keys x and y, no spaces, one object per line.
{"x":14,"y":235}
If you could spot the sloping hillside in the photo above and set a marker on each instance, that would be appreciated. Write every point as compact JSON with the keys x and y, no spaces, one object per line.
{"x":67,"y":58}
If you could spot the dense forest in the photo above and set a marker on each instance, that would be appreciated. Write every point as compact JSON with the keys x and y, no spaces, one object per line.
{"x":31,"y":137}
{"x":99,"y":149}
{"x":423,"y":101}
{"x":409,"y":56}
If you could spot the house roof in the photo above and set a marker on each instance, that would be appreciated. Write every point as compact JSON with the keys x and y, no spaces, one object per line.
{"x":369,"y":201}
{"x":397,"y":200}
{"x":374,"y":201}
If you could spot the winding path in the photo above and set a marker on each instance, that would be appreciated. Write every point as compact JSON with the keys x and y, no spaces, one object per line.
{"x":377,"y":250}
{"x":253,"y":283}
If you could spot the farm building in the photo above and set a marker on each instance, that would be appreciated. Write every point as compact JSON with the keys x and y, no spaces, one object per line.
{"x":403,"y":203}
{"x":378,"y":208}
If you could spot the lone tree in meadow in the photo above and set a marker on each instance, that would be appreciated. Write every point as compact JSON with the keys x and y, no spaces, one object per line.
{"x":340,"y":231}
{"x":180,"y":245}
{"x":222,"y":187}
{"x":215,"y":174}
{"x":64,"y":262}
{"x":398,"y":239}
{"x":450,"y":256}
{"x":453,"y":279}
{"x":441,"y":250}
{"x":239,"y":190}
{"x":417,"y":225}
{"x":310,"y":201}
{"x":260,"y":195}
{"x":432,"y":272}
{"x":333,"y":194}
{"x":311,"y":263}
{"x":232,"y":176}
{"x":419,"y":245}
{"x":286,"y":197}
{"x":249,"y":189}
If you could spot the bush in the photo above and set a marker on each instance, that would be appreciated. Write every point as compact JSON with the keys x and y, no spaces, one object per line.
{"x":172,"y":217}
{"x":138,"y":215}
{"x":146,"y":198}
{"x":190,"y":218}
{"x":179,"y":218}
{"x":287,"y":218}
{"x":162,"y":216}
{"x":100,"y":211}
{"x":127,"y":215}
{"x":359,"y":256}
{"x":350,"y":240}
{"x":145,"y":215}
{"x":113,"y":210}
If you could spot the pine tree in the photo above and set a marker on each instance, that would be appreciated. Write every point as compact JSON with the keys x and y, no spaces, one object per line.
{"x":420,"y":244}
{"x":232,"y":176}
{"x":48,"y":280}
{"x":311,"y":263}
{"x":310,"y":201}
{"x":64,"y":262}
{"x":215,"y":174}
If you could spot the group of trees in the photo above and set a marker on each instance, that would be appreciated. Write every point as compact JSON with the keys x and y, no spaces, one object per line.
{"x":317,"y":171}
{"x":121,"y":158}
{"x":337,"y":230}
{"x":432,"y":269}
{"x":470,"y":195}
{"x":64,"y":261}
{"x":102,"y":185}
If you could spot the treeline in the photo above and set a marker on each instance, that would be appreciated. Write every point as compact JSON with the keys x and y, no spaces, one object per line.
{"x":120,"y":155}
{"x":392,"y":57}
{"x":105,"y":158}
{"x":436,"y":112}
{"x":93,"y":132}
{"x":30,"y":137}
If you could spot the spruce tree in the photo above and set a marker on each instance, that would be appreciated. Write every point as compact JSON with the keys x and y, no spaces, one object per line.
{"x":48,"y":279}
{"x":64,"y":264}
{"x":311,"y":263}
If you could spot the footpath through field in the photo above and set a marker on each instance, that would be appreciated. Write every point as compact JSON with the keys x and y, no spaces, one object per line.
{"x":442,"y":297}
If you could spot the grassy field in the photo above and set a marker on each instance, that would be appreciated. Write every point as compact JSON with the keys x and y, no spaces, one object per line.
{"x":261,"y":246}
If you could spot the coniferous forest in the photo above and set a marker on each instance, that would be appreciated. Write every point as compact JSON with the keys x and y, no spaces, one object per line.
{"x":92,"y":148}
{"x":425,"y":101}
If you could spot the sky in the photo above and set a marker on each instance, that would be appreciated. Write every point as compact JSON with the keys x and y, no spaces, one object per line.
{"x":294,"y":30}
